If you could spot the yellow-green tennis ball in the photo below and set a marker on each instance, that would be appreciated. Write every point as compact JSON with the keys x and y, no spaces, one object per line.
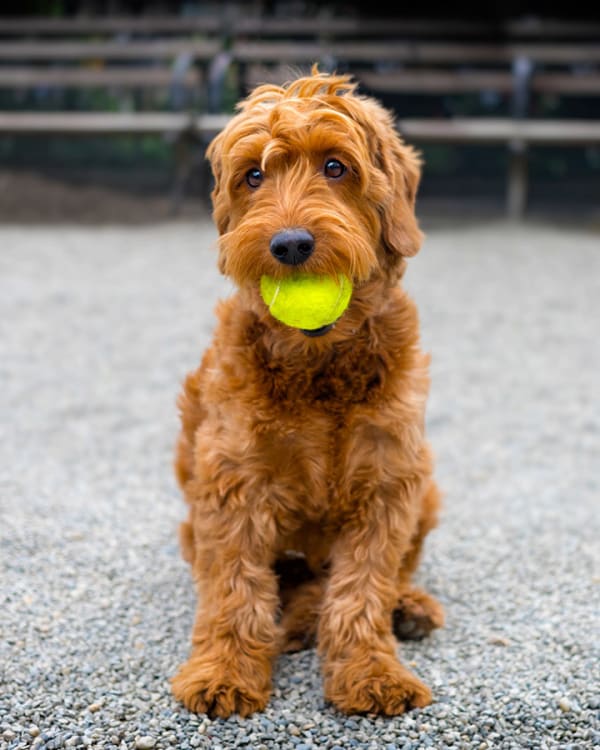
{"x":306,"y":301}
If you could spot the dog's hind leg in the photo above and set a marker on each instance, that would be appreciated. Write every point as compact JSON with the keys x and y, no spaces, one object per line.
{"x":300,"y":616}
{"x":301,"y":595}
{"x":417,"y":613}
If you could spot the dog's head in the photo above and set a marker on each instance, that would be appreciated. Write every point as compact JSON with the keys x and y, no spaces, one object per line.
{"x":311,"y":173}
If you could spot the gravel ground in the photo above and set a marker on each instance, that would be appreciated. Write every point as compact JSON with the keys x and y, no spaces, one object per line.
{"x":98,"y":328}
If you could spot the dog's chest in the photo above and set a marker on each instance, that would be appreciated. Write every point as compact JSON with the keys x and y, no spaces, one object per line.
{"x":304,"y":459}
{"x":302,"y":425}
{"x":337,"y":380}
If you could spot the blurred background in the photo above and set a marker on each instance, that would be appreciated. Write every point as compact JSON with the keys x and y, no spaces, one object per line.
{"x":106,"y":107}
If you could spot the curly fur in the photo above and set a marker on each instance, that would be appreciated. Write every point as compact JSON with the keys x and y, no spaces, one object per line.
{"x":311,"y":446}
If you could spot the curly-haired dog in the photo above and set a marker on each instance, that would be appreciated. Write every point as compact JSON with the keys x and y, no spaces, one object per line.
{"x":309,"y":444}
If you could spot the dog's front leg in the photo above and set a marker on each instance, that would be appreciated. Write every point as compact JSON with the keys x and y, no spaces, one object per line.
{"x":235,"y":636}
{"x":358,"y":649}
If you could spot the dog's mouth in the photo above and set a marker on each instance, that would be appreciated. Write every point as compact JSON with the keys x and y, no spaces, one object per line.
{"x":314,"y":332}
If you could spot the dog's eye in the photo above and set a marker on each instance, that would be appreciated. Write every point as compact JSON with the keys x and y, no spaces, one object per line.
{"x":254,"y":177}
{"x":333,"y":168}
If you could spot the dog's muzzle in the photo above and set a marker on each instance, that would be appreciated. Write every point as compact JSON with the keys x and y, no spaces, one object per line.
{"x":293,"y":247}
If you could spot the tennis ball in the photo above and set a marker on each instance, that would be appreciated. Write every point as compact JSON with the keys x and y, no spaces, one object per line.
{"x":305,"y":300}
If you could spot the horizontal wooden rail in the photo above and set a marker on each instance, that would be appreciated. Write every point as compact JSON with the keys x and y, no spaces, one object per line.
{"x":126,"y":50}
{"x":434,"y":81}
{"x":438,"y":81}
{"x":501,"y":130}
{"x":336,"y":27}
{"x":106,"y":123}
{"x":147,"y":77}
{"x":456,"y":130}
{"x":414,"y":52}
{"x":331,"y":26}
{"x":40,"y":25}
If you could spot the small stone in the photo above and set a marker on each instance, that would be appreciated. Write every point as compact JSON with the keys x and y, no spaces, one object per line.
{"x":145,"y":743}
{"x":75,"y":536}
{"x":564,"y":705}
{"x":498,"y":640}
{"x":33,"y":730}
{"x":8,"y":735}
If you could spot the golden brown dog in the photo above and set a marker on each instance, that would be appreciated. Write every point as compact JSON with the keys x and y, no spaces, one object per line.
{"x":309,"y":444}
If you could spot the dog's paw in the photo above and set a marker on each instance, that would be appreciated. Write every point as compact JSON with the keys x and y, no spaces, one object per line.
{"x":416,"y":614}
{"x":381,"y":686}
{"x":217,"y":691}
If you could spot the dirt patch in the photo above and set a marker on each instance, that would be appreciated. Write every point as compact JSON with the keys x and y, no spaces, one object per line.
{"x":28,"y":198}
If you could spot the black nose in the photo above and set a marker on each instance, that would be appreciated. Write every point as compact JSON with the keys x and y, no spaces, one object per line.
{"x":292,"y":246}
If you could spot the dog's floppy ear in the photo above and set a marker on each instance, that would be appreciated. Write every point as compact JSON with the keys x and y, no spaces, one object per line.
{"x":214,"y":155}
{"x":220,"y":203}
{"x":401,"y":165}
{"x":401,"y":233}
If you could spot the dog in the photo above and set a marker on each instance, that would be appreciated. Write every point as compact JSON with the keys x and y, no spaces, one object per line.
{"x":302,"y":454}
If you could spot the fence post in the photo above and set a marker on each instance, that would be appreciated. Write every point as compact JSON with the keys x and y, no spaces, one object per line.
{"x":516,"y":198}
